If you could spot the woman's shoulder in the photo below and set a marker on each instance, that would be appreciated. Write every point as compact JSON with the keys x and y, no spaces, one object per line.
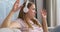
{"x":20,"y":21}
{"x":15,"y":23}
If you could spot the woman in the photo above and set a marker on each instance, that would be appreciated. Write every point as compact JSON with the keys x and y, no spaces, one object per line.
{"x":26,"y":21}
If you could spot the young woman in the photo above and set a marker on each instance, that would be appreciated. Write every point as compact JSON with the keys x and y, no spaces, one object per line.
{"x":26,"y":20}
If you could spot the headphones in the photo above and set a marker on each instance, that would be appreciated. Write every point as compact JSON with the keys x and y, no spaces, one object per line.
{"x":25,"y":8}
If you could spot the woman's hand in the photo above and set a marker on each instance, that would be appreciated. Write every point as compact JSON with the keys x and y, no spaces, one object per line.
{"x":16,"y":6}
{"x":44,"y":13}
{"x":44,"y":21}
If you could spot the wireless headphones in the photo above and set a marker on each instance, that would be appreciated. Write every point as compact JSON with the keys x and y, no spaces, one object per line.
{"x":25,"y":8}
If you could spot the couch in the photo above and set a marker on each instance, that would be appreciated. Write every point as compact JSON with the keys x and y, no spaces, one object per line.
{"x":9,"y":30}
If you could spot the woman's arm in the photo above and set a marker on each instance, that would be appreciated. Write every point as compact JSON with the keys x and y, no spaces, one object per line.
{"x":15,"y":24}
{"x":44,"y":25}
{"x":7,"y":20}
{"x":44,"y":20}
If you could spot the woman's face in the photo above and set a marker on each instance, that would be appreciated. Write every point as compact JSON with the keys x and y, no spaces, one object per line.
{"x":31,"y":12}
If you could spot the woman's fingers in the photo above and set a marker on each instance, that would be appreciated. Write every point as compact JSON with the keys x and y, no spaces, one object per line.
{"x":44,"y":13}
{"x":16,"y":5}
{"x":17,"y":1}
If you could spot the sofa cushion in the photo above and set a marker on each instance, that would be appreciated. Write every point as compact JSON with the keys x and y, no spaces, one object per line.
{"x":9,"y":30}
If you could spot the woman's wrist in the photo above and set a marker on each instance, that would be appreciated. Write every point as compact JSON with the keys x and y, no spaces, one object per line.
{"x":12,"y":11}
{"x":44,"y":18}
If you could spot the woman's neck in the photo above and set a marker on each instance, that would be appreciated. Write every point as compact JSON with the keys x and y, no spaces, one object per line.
{"x":27,"y":17}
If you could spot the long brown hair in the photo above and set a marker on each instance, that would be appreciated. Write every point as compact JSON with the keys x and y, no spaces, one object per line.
{"x":22,"y":15}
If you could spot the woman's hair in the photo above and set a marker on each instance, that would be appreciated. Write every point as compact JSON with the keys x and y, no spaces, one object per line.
{"x":22,"y":14}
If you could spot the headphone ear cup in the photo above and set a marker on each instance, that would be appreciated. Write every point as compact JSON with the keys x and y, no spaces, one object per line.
{"x":25,"y":10}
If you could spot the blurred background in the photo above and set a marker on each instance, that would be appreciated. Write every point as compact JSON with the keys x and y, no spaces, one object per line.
{"x":52,"y":7}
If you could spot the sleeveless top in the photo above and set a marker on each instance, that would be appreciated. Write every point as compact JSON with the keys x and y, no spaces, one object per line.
{"x":25,"y":29}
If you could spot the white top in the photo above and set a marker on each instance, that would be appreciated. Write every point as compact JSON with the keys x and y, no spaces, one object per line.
{"x":25,"y":29}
